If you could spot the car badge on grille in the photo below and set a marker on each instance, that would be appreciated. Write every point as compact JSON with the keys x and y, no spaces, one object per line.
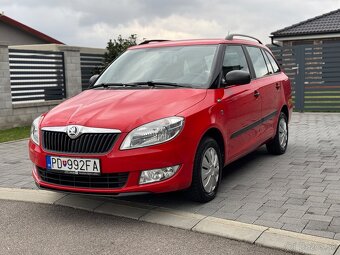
{"x":73,"y":132}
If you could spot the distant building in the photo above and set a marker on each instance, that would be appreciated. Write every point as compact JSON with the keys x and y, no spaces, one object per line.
{"x":318,"y":30}
{"x":16,"y":33}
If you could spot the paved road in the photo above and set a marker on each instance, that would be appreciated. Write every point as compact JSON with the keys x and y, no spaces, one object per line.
{"x":298,"y":191}
{"x":43,"y":229}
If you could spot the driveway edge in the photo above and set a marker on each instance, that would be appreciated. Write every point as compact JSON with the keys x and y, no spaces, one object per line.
{"x":259,"y":235}
{"x":15,"y":141}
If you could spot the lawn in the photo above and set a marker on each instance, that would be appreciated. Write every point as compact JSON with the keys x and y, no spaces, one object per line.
{"x":14,"y":134}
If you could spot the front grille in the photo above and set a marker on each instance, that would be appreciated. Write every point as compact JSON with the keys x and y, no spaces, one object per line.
{"x":85,"y":143}
{"x":116,"y":180}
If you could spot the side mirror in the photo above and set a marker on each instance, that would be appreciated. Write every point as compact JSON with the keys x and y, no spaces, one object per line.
{"x":237,"y":77}
{"x":93,"y":79}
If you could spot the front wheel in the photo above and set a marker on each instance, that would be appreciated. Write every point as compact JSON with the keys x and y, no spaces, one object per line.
{"x":207,"y":171}
{"x":278,"y":145}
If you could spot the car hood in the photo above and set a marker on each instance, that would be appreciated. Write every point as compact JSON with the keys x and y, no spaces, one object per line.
{"x":122,"y":109}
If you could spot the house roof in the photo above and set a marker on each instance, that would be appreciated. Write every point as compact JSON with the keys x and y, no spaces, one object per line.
{"x":323,"y":24}
{"x":28,"y":29}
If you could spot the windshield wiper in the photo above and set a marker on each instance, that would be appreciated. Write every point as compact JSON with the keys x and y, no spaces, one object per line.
{"x":139,"y":83}
{"x":159,"y":83}
{"x":112,"y":84}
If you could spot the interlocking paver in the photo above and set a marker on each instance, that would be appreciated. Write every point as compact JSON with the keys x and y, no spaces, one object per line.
{"x":298,"y":191}
{"x":327,"y":234}
{"x":293,"y":227}
{"x":336,"y":221}
{"x":247,"y":218}
{"x":268,"y":223}
{"x":294,"y":213}
{"x":317,"y":210}
{"x":317,"y":225}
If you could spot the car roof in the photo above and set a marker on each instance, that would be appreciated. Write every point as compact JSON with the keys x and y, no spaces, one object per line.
{"x":159,"y":44}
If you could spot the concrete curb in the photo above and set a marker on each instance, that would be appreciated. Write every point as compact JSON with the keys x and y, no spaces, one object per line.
{"x":259,"y":235}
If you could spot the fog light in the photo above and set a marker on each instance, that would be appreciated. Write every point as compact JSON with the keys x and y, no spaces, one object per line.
{"x":156,"y":175}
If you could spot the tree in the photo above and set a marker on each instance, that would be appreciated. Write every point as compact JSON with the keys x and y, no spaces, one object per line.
{"x":117,"y":46}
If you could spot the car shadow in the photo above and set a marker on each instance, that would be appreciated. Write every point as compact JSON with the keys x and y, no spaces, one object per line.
{"x":179,"y":200}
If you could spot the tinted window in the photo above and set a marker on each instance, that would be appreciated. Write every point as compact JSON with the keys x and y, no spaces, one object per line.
{"x":259,"y":64}
{"x":234,"y":59}
{"x":273,"y":62}
{"x":269,"y":66}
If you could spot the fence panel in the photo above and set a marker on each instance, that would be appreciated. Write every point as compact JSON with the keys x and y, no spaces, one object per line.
{"x":288,"y":59}
{"x":90,"y":63}
{"x":322,"y":77}
{"x":315,"y":74}
{"x":36,"y":76}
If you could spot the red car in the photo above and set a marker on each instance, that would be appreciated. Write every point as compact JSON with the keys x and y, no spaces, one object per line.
{"x":165,"y":116}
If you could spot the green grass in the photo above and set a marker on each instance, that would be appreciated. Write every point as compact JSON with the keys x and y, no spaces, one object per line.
{"x":14,"y":134}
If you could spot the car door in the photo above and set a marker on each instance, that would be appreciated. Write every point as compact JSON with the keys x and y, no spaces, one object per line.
{"x":240,"y":105}
{"x":266,"y":82}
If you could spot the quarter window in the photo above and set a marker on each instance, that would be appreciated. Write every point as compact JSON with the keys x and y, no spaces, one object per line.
{"x":234,"y":59}
{"x":257,"y":59}
{"x":273,"y":62}
{"x":269,"y":66}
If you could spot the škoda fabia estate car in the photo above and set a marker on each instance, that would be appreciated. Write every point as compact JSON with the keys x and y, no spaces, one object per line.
{"x":165,"y":116}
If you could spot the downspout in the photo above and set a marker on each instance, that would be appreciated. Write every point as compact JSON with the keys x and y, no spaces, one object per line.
{"x":275,"y":44}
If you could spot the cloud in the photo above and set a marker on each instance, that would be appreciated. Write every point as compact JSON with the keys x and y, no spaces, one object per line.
{"x":93,"y":23}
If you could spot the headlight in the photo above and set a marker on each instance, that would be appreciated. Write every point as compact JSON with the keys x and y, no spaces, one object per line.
{"x":155,"y":132}
{"x":35,"y":130}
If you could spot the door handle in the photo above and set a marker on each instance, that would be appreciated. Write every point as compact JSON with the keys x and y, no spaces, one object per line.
{"x":256,"y":94}
{"x":278,"y":86}
{"x":296,"y":68}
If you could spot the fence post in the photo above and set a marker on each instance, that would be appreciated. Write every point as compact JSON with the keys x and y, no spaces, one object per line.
{"x":5,"y":83}
{"x":72,"y":70}
{"x":300,"y":78}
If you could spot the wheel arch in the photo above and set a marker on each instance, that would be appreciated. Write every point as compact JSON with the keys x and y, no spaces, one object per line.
{"x":285,"y":110}
{"x":216,"y":134}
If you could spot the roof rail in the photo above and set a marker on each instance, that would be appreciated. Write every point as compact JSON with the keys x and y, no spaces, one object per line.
{"x":149,"y":41}
{"x":231,"y":37}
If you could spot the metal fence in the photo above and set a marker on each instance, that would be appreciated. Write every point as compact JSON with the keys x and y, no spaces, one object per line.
{"x":315,"y":74}
{"x":36,"y":76}
{"x":90,"y":64}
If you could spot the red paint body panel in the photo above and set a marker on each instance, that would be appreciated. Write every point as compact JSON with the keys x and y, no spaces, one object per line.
{"x":122,"y":109}
{"x":227,"y":110}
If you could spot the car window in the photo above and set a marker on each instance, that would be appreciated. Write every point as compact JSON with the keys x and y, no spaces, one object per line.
{"x":273,"y":62}
{"x":257,"y":59}
{"x":187,"y":65}
{"x":269,"y":66}
{"x":234,"y":59}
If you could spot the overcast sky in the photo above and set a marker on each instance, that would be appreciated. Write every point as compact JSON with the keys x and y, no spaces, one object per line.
{"x":93,"y":23}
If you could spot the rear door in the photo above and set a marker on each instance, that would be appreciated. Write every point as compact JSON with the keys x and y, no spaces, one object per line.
{"x":268,"y":88}
{"x":240,"y":105}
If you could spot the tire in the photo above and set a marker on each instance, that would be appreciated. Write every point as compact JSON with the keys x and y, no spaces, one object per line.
{"x":278,"y":145}
{"x":203,"y":189}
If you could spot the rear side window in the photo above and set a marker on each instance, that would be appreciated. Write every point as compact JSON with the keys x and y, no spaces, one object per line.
{"x":269,"y":66}
{"x":234,"y":59}
{"x":273,"y":62}
{"x":257,"y":59}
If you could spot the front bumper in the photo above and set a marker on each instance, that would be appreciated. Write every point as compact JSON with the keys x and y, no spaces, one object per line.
{"x":127,"y":161}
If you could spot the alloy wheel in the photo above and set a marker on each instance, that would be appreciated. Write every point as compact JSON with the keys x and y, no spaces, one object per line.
{"x":283,"y":133}
{"x":210,"y":170}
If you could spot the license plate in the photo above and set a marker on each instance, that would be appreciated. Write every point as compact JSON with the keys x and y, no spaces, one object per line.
{"x":73,"y":165}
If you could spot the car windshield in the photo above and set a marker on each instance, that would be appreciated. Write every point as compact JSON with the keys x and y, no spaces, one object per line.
{"x":185,"y":65}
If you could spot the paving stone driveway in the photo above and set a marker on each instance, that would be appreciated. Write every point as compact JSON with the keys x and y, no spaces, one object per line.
{"x":298,"y":191}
